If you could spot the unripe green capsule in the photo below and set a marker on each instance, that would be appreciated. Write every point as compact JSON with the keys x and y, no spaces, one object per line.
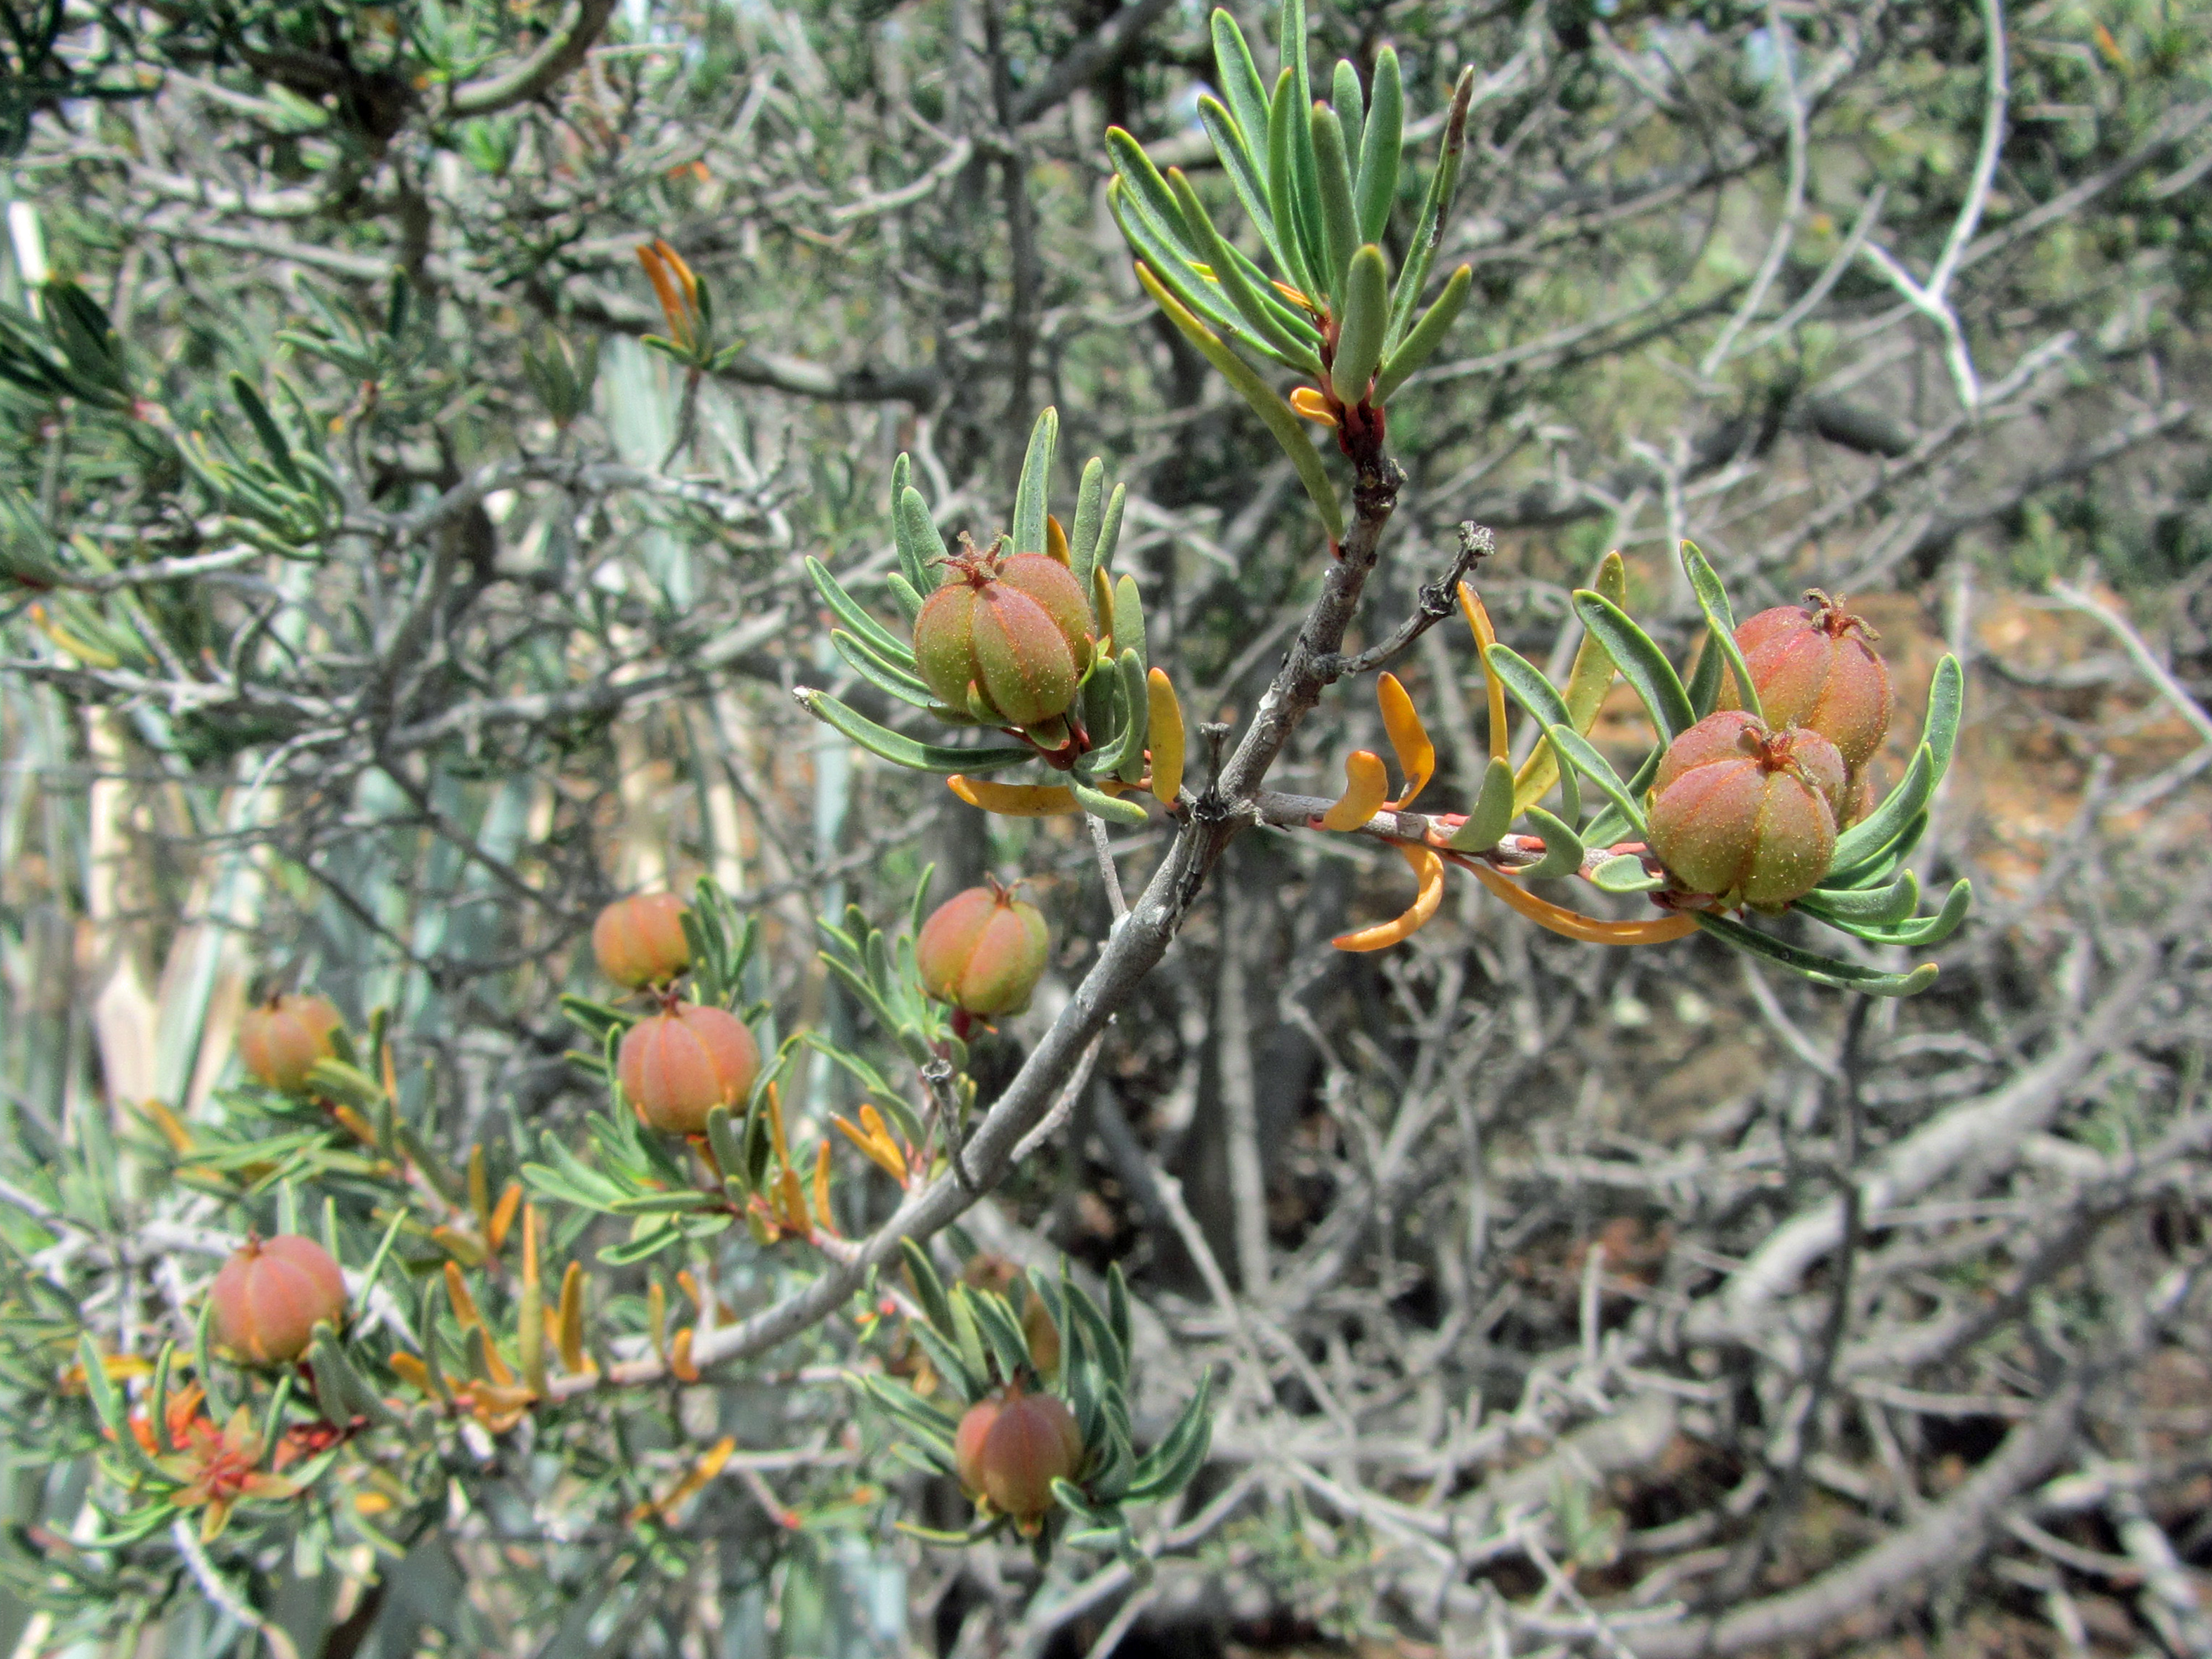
{"x":1746,"y":815}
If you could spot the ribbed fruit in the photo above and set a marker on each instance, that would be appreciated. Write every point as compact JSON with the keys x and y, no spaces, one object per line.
{"x":279,"y":1041}
{"x":270,"y":1295}
{"x":679,"y":1065}
{"x":1011,"y":1449}
{"x":640,"y":940}
{"x":1745,"y":814}
{"x":968,"y":1444}
{"x":983,"y":951}
{"x":1815,"y":666}
{"x":1017,"y":628}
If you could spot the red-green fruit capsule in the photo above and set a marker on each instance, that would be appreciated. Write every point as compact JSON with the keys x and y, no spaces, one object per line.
{"x":1016,"y":629}
{"x":968,"y":1445}
{"x":279,"y":1041}
{"x":1745,"y":814}
{"x":983,"y":951}
{"x":1815,"y":666}
{"x":640,"y":940}
{"x":270,"y":1295}
{"x":678,"y":1066}
{"x":1032,"y":1442}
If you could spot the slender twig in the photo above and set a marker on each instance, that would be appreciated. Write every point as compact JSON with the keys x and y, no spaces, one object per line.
{"x":2140,"y":654}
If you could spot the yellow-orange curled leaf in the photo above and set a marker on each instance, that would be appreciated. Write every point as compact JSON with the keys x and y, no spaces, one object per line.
{"x":411,"y":1372}
{"x":1572,"y":924}
{"x":457,"y":1293}
{"x":1478,"y":622}
{"x":792,"y":1200}
{"x":1409,"y":739}
{"x":1164,"y":713}
{"x":1055,"y":539}
{"x":502,"y":1216}
{"x":1315,"y":407}
{"x":570,"y":1324}
{"x":875,"y":1141}
{"x":1429,"y":870}
{"x":1366,"y":785}
{"x":1014,"y":800}
{"x":679,"y":1358}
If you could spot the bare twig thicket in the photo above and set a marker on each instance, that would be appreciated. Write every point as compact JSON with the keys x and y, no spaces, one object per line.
{"x":375,"y":608}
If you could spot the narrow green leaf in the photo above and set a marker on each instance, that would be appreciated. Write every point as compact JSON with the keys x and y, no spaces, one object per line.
{"x":1380,"y":146}
{"x":1199,"y":295}
{"x":1129,"y":620}
{"x":1720,"y":622}
{"x":273,"y":441}
{"x":1297,"y":220}
{"x":1562,"y":847}
{"x":334,"y":1375}
{"x":1419,"y":346}
{"x":204,"y":1371}
{"x":1366,"y":314}
{"x":1340,"y":221}
{"x":1138,"y":732}
{"x":1875,"y":831}
{"x":1350,"y":104}
{"x":903,"y":751}
{"x":1880,"y":866}
{"x":922,"y":550}
{"x":1492,"y":814}
{"x":1641,"y":663}
{"x":1114,"y":809}
{"x":1149,"y":193}
{"x":1821,"y":970}
{"x":1706,"y":583}
{"x":1248,"y":301}
{"x":848,"y":610}
{"x":1588,"y":682}
{"x":903,"y":593}
{"x":1083,"y":532}
{"x":1287,"y":427}
{"x":1242,"y":89}
{"x":966,"y":1335}
{"x":1132,"y":709}
{"x":1292,"y":47}
{"x":1247,"y":175}
{"x":1876,"y":907}
{"x":1117,"y":1322}
{"x":1625,"y":874}
{"x":1947,"y":696}
{"x":928,"y":1285}
{"x":114,"y":1414}
{"x":157,"y":1399}
{"x":1001,"y":1329}
{"x":1525,"y":684}
{"x":1583,"y":754}
{"x":1704,"y":686}
{"x":1109,"y":529}
{"x":1191,"y":1447}
{"x":1529,"y":686}
{"x":1036,"y":482}
{"x":1921,"y":931}
{"x":1436,"y":207}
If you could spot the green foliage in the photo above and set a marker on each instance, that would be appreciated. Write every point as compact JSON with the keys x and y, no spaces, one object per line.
{"x":979,"y":1343}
